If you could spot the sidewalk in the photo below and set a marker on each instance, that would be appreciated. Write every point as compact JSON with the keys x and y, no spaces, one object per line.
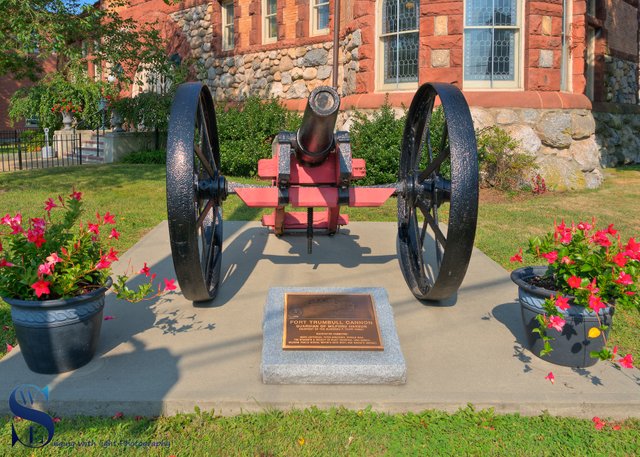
{"x":169,"y":356}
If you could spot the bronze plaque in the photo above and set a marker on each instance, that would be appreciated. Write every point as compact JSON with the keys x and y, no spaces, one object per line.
{"x":330,"y":322}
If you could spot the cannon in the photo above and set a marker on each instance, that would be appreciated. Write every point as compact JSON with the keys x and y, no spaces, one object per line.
{"x":314,"y":168}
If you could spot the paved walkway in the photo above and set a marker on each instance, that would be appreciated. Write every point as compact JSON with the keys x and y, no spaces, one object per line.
{"x":169,"y":356}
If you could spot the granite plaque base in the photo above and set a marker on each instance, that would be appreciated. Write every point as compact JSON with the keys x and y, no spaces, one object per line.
{"x":330,"y":367}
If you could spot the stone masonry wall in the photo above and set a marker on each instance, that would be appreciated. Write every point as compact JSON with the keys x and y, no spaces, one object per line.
{"x":562,"y":141}
{"x":621,"y":80}
{"x":288,"y":73}
{"x":618,"y":136}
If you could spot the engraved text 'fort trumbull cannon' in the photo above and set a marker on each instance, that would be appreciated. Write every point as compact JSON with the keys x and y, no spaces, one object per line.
{"x":314,"y":168}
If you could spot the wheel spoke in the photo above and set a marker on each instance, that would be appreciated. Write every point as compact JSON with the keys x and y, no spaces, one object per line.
{"x":424,"y":231}
{"x":203,"y":214}
{"x":426,"y":211}
{"x":204,"y":131}
{"x":435,"y":165}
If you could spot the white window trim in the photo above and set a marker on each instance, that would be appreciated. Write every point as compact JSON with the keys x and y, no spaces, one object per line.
{"x":265,"y":29}
{"x":226,"y":27}
{"x":517,"y":83}
{"x":379,"y":67}
{"x":314,"y":30}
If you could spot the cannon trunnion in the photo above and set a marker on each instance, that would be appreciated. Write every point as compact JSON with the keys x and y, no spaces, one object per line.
{"x":314,"y":168}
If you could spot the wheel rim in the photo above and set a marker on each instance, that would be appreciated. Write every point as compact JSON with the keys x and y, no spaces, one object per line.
{"x":195,"y":191}
{"x":435,"y":265}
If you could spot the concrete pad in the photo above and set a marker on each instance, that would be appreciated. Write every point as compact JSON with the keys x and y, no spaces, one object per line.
{"x":168,"y":356}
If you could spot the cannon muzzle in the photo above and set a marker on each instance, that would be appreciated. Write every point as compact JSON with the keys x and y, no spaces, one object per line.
{"x":315,"y":135}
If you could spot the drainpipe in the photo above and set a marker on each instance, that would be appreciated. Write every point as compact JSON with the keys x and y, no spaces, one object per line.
{"x":336,"y":41}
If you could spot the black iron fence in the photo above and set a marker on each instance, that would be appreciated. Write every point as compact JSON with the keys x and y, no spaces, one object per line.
{"x":31,"y":149}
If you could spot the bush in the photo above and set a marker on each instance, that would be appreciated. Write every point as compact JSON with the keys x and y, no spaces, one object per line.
{"x":246,"y":131}
{"x":146,"y":157}
{"x":500,"y":165}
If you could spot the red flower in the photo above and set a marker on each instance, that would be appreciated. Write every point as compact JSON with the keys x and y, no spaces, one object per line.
{"x":118,"y":415}
{"x":56,"y":420}
{"x":624,"y":279}
{"x":626,"y":361}
{"x":114,"y":234}
{"x":112,"y":256}
{"x":517,"y":257}
{"x":41,"y":287}
{"x":550,"y":256}
{"x":592,"y":287}
{"x":562,"y":303}
{"x":9,"y":347}
{"x":620,"y":259}
{"x":601,"y":238}
{"x":584,"y":226}
{"x":169,"y":284}
{"x":574,"y":282}
{"x":108,"y":318}
{"x":103,"y":263}
{"x":4,"y":263}
{"x":145,"y":270}
{"x":599,"y":423}
{"x":595,"y":303}
{"x":611,"y":230}
{"x":551,"y":377}
{"x":109,"y":218}
{"x":35,"y":237}
{"x":76,"y":195}
{"x":94,"y":228}
{"x":49,"y":205}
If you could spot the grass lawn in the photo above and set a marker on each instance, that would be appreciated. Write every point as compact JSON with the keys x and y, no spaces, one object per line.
{"x":136,"y":194}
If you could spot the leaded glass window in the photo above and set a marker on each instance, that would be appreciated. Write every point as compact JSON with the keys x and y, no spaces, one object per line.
{"x":319,"y":16}
{"x":491,"y":41}
{"x":399,"y":41}
{"x":270,"y":27}
{"x":227,"y":26}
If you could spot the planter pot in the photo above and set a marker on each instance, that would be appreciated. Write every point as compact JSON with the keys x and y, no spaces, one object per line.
{"x":58,"y":335}
{"x":67,"y":119}
{"x":572,"y":346}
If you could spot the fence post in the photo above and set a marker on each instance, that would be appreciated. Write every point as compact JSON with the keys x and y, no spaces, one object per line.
{"x":19,"y":149}
{"x":80,"y":146}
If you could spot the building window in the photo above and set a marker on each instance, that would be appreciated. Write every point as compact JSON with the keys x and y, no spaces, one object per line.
{"x":270,"y":23}
{"x":491,"y":43}
{"x":227,"y":26}
{"x":399,"y":44}
{"x":319,"y":17}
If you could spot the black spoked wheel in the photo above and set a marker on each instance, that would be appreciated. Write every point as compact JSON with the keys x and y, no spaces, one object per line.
{"x":195,"y":191}
{"x":436,"y":167}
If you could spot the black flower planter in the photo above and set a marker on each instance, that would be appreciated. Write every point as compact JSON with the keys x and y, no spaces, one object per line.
{"x":572,"y":346}
{"x":58,"y":335}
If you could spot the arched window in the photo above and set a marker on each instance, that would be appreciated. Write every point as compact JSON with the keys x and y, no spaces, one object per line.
{"x":398,"y":44}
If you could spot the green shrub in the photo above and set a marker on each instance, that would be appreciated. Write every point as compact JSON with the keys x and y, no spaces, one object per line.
{"x":146,"y":157}
{"x":500,"y":165}
{"x":246,"y":131}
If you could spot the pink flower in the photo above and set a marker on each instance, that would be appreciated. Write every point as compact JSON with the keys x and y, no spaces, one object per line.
{"x":620,"y":259}
{"x":45,"y":269}
{"x":109,"y":218}
{"x":35,"y":236}
{"x":595,"y":303}
{"x":624,"y":279}
{"x":41,"y":287}
{"x":76,"y":195}
{"x":118,"y":415}
{"x":145,"y":270}
{"x":9,"y":347}
{"x":6,"y":220}
{"x":562,"y":303}
{"x":114,"y":234}
{"x":556,"y":322}
{"x":566,"y":237}
{"x":517,"y":257}
{"x":4,"y":263}
{"x":626,"y":361}
{"x":550,"y":256}
{"x":601,"y":238}
{"x":598,"y":423}
{"x":169,"y":284}
{"x":56,"y":420}
{"x":574,"y":282}
{"x":592,"y":287}
{"x":566,"y":260}
{"x":39,"y":223}
{"x":103,"y":263}
{"x":109,"y":318}
{"x":53,"y":258}
{"x":94,"y":228}
{"x":584,"y":226}
{"x":551,"y":377}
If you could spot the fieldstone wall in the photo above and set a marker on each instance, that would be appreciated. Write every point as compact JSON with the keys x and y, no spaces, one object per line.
{"x":618,"y":136}
{"x":621,"y":83}
{"x":562,"y":141}
{"x":288,"y":73}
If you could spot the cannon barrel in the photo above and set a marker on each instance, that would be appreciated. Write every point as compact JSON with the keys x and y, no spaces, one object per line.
{"x":315,"y":135}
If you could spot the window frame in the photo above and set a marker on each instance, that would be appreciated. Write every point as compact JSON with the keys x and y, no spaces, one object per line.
{"x":266,"y":39}
{"x":380,"y":61}
{"x":517,"y":83}
{"x":314,"y":6}
{"x":228,"y":29}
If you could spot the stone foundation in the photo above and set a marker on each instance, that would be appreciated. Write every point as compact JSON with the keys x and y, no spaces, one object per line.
{"x":618,"y":136}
